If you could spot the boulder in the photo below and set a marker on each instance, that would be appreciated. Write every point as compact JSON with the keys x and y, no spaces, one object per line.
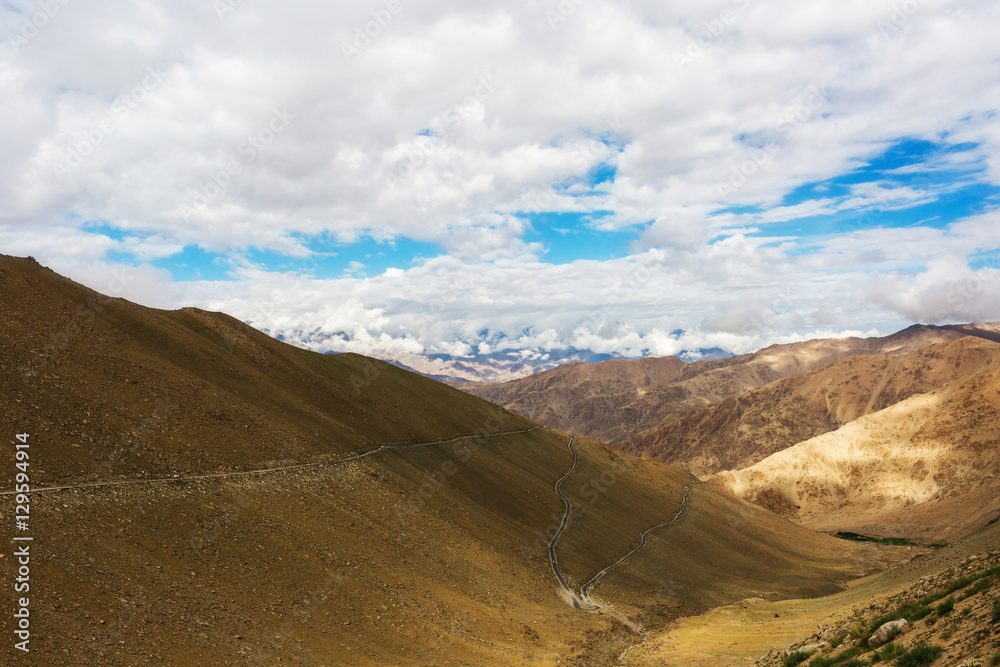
{"x":811,"y":648}
{"x":888,"y":632}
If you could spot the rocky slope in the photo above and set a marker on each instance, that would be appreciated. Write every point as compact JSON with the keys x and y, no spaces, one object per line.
{"x":834,"y":630}
{"x":745,"y":429}
{"x":949,"y":618}
{"x":927,"y":467}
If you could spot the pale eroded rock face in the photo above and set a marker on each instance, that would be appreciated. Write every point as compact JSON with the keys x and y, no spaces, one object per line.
{"x":925,"y":468}
{"x":747,"y":428}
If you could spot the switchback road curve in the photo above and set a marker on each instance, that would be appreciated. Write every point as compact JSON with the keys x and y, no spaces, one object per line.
{"x":582,"y":599}
{"x":567,"y":513}
{"x":585,"y":589}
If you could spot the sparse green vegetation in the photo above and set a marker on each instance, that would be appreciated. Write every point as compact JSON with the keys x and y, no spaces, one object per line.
{"x":930,"y":608}
{"x":846,"y":659}
{"x":985,"y":583}
{"x":896,"y":541}
{"x":920,"y":656}
{"x":888,"y":652}
{"x":995,"y":660}
{"x":852,"y":652}
{"x":796,"y":658}
{"x":919,"y":614}
{"x":945,"y":607}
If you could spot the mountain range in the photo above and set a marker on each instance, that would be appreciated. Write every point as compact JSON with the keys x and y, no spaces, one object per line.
{"x":842,"y":435}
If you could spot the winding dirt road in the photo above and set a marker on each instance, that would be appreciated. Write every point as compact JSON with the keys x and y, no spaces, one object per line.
{"x":585,"y":589}
{"x":567,"y":513}
{"x":265,"y":471}
{"x":582,"y":599}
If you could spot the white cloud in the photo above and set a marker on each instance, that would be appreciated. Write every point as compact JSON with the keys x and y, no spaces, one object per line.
{"x":168,"y":100}
{"x":736,"y":295}
{"x":947,"y":291}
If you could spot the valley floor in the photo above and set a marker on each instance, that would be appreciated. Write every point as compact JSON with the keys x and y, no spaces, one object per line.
{"x":757,"y":631}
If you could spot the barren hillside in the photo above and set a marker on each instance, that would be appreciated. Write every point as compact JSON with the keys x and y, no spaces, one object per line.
{"x":745,"y":429}
{"x":613,"y":400}
{"x":925,"y":468}
{"x":203,"y":494}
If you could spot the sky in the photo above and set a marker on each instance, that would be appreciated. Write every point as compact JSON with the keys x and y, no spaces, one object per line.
{"x":626,"y":178}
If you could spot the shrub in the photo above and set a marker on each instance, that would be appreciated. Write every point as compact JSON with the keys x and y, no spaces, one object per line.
{"x":917,"y":614}
{"x":853,"y":652}
{"x":980,"y":586}
{"x":920,"y":656}
{"x":889,"y":652}
{"x":996,"y":612}
{"x":958,"y":585}
{"x":930,"y":599}
{"x":945,"y":607}
{"x":995,"y":660}
{"x":796,"y":658}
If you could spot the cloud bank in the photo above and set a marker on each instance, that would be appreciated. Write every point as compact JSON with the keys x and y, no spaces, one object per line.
{"x":769,"y":171}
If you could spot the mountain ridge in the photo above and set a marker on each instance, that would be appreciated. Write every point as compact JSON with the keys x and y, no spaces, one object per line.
{"x":613,"y":408}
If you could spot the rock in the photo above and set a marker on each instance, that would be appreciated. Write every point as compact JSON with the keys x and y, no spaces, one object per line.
{"x":811,"y":648}
{"x":888,"y":632}
{"x":842,"y":633}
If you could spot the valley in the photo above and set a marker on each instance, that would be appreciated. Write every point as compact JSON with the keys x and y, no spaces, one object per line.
{"x":204,"y":494}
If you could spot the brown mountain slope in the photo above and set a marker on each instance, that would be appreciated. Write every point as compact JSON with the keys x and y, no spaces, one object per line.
{"x":212,"y":514}
{"x":615,"y":399}
{"x":927,"y":467}
{"x":987,"y":330}
{"x":593,"y":400}
{"x":745,"y":429}
{"x":132,"y":391}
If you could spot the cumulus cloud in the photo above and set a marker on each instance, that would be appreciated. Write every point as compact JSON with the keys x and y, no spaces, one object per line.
{"x":947,"y":291}
{"x":268,"y":126}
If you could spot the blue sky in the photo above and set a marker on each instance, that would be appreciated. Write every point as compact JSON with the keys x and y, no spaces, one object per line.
{"x":952,"y":189}
{"x":950,"y":179}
